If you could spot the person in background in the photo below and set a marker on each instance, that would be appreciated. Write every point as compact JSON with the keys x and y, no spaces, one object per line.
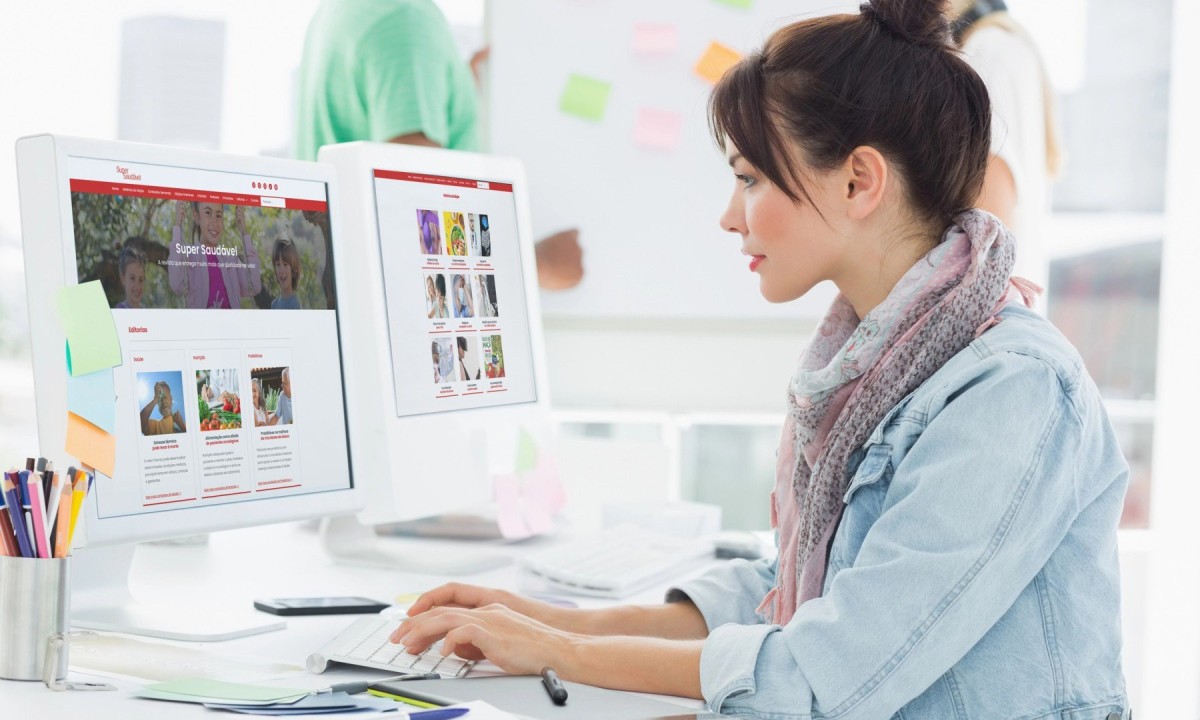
{"x":389,"y":71}
{"x":283,"y":405}
{"x":287,"y":273}
{"x":439,"y":308}
{"x":1025,"y":149}
{"x":260,"y":403}
{"x":132,"y":267}
{"x":947,"y":484}
{"x":464,"y":303}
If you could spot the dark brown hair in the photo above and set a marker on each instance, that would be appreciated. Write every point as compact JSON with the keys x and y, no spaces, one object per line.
{"x":888,"y":78}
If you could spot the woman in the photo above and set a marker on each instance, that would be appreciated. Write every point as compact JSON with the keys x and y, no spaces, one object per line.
{"x":464,"y":304}
{"x":948,"y":484}
{"x":207,"y":275}
{"x":1025,"y":150}
{"x":171,"y":420}
{"x":437,"y":304}
{"x":260,"y":403}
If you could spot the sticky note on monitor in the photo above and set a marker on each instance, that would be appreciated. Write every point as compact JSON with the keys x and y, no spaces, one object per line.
{"x":655,"y":38}
{"x":716,"y":61}
{"x":739,"y":4}
{"x":88,"y":323}
{"x":585,"y":97}
{"x":93,"y":398}
{"x":91,"y":444}
{"x":658,"y":129}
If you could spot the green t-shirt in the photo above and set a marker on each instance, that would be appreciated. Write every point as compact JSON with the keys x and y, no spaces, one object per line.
{"x":378,"y":69}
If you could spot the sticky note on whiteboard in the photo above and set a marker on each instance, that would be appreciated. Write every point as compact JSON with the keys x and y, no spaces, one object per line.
{"x":585,"y":97}
{"x":658,"y":129}
{"x":716,"y":60}
{"x":655,"y":38}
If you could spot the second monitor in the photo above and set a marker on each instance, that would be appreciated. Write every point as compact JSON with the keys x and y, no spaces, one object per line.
{"x":446,"y":338}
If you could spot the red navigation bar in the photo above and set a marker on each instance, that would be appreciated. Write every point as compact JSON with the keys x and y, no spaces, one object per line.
{"x":442,"y":180}
{"x":100,"y":187}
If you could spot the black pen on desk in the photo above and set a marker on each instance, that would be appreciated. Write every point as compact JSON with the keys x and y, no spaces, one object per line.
{"x":554,"y":686}
{"x":354,"y":688}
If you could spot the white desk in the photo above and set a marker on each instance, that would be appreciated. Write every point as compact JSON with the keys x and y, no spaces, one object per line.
{"x":238,"y":566}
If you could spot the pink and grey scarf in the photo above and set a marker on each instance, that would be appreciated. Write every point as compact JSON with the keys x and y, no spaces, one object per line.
{"x":853,"y":372}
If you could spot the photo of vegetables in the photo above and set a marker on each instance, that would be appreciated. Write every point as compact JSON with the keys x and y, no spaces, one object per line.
{"x":218,"y":399}
{"x":456,"y":233}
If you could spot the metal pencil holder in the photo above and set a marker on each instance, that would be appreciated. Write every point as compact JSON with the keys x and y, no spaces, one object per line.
{"x":34,"y":605}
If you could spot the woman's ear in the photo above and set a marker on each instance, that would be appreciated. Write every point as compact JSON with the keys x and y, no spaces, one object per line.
{"x":866,"y":175}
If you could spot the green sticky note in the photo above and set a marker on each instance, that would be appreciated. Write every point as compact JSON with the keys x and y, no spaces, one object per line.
{"x":739,"y":4}
{"x":219,"y":689}
{"x":527,"y":452}
{"x":585,"y":97}
{"x":88,"y":323}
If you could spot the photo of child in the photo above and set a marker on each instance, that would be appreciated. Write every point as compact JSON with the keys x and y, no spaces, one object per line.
{"x":430,"y":231}
{"x":464,"y":301}
{"x":485,"y":236}
{"x":456,"y":233}
{"x":273,"y":386}
{"x":435,"y":297}
{"x":493,"y":356}
{"x":473,"y":233}
{"x":218,"y":399}
{"x":211,"y":278}
{"x":160,"y":394}
{"x":286,"y":260}
{"x":467,"y":362}
{"x":443,"y":360}
{"x":131,"y":265}
{"x":485,"y":296}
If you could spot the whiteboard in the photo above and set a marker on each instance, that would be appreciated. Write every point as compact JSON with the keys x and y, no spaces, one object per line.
{"x":648,"y":218}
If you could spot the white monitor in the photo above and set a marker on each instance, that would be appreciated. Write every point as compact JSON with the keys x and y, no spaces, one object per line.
{"x":446,"y":334}
{"x":230,"y":407}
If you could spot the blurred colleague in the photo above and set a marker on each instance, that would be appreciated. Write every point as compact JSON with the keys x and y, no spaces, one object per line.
{"x":389,"y":71}
{"x":1025,"y":151}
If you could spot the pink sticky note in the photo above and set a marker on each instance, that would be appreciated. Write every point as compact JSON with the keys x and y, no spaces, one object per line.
{"x":508,"y":507}
{"x":537,"y":514}
{"x":658,"y":129}
{"x":655,"y":39}
{"x":546,"y":484}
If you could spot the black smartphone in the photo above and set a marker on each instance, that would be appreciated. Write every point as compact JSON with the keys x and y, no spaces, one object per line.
{"x":320,"y":606}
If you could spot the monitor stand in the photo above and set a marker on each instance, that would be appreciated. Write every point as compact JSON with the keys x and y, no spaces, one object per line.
{"x":347,"y":540}
{"x":100,"y":600}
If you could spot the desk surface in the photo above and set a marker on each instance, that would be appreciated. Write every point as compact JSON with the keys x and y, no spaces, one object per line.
{"x":235,"y":568}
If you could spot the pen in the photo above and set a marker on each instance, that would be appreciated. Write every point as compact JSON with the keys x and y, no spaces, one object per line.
{"x":37,"y":509}
{"x":439,"y":713}
{"x":17,"y":517}
{"x":554,"y":686}
{"x":354,"y":688}
{"x":410,"y":697}
{"x":21,"y":479}
{"x":8,"y":542}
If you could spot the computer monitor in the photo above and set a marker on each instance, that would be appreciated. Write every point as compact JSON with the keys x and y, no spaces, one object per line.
{"x":230,"y":405}
{"x":446,"y":334}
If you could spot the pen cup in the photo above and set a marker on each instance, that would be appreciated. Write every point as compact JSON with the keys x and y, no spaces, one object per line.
{"x":34,"y":604}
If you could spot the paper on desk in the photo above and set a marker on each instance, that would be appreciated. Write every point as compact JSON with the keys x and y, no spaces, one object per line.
{"x":149,"y":661}
{"x":585,"y":97}
{"x":716,"y":60}
{"x":339,"y":702}
{"x":481,"y":710}
{"x":88,"y":324}
{"x":93,"y":398}
{"x":91,"y":444}
{"x":203,"y":690}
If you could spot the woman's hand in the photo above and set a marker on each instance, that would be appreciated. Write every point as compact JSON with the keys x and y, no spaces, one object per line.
{"x":239,"y":219}
{"x":180,"y":212}
{"x":459,"y":595}
{"x":518,"y":644}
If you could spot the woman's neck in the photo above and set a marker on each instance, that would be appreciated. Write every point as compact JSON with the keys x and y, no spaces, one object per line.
{"x":870,"y":277}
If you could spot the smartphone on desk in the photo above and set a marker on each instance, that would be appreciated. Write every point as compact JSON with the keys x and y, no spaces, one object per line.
{"x":320,"y":606}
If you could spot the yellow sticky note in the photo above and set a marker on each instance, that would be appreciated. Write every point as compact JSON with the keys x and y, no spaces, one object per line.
{"x":88,"y":323}
{"x":715,"y":61}
{"x":527,"y":452}
{"x":585,"y":97}
{"x":91,"y":444}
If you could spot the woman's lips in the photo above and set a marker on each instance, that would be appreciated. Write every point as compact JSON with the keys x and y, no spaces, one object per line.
{"x":755,"y":260}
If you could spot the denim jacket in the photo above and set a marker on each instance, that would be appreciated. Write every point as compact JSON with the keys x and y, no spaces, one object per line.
{"x":974,"y":572}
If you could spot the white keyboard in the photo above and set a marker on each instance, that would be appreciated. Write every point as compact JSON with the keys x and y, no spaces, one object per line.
{"x":366,"y":643}
{"x":616,"y":562}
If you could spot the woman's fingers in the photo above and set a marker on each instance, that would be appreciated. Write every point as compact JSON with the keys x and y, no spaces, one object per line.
{"x":417,"y":634}
{"x":470,"y":641}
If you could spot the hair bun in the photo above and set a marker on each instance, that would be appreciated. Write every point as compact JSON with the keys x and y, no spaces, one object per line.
{"x":923,"y":22}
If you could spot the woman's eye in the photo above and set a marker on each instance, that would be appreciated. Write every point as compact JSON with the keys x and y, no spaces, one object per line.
{"x":745,"y":179}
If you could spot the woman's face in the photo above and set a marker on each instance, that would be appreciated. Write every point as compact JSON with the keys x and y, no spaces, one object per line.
{"x":134,"y":281}
{"x":211,"y":220}
{"x":254,"y":395}
{"x":283,"y":274}
{"x":430,"y":290}
{"x":789,"y":244}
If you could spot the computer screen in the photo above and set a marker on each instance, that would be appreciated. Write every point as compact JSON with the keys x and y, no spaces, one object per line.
{"x":457,"y":315}
{"x":230,"y":407}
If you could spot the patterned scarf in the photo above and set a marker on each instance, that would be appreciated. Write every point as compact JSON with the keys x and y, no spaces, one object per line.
{"x":853,"y":373}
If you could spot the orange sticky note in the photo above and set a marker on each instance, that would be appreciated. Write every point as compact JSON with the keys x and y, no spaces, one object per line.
{"x":91,"y":444}
{"x":715,"y":61}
